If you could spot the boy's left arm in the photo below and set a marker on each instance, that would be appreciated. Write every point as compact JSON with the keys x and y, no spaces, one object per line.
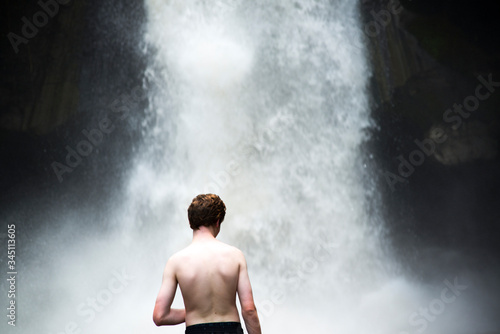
{"x":163,"y":314}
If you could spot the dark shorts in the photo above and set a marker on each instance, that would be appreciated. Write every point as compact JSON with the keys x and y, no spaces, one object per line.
{"x":215,"y":328}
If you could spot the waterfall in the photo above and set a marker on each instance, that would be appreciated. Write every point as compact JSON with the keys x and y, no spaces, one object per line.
{"x":266,"y":105}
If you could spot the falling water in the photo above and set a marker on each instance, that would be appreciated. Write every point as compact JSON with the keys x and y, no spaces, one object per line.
{"x":266,"y":105}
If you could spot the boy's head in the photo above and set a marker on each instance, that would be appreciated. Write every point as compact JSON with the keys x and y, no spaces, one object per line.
{"x":206,"y":210}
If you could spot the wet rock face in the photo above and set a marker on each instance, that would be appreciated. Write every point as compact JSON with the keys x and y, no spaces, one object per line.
{"x":435,"y":64}
{"x":436,"y":80}
{"x":41,"y":69}
{"x":64,"y":63}
{"x":472,"y":141}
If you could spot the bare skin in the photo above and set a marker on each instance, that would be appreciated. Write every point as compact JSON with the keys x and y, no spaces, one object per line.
{"x":210,"y":274}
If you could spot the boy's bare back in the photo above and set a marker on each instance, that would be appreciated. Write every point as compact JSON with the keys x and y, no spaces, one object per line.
{"x":207,"y":273}
{"x":210,"y":275}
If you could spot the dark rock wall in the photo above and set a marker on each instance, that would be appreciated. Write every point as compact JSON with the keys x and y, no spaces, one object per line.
{"x":57,"y":84}
{"x":41,"y":68}
{"x":437,"y":136}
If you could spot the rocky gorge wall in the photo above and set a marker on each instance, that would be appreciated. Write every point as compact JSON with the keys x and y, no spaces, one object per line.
{"x":64,"y":63}
{"x":436,"y":88}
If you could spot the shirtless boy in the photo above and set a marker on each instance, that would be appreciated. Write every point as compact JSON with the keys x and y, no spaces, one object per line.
{"x":209,"y":274}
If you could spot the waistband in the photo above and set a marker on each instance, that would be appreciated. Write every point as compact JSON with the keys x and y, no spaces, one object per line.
{"x":215,"y":328}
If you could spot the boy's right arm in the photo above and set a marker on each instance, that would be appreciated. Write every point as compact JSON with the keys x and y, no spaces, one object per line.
{"x":248,"y":309}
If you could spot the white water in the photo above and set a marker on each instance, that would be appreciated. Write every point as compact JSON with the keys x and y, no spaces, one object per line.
{"x":265,"y":105}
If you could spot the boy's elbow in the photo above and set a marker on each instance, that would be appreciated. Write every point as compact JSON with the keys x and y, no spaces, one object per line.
{"x":157,"y":319}
{"x":249,"y":310}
